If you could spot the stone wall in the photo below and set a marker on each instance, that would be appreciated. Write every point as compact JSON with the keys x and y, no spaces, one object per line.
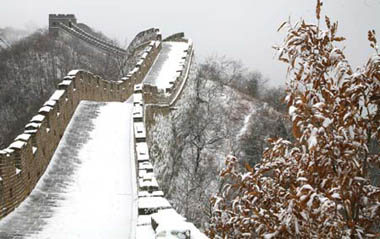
{"x":175,"y":37}
{"x":25,"y":160}
{"x":86,"y":34}
{"x":75,"y":31}
{"x":151,"y":34}
{"x":56,"y":19}
{"x":155,"y":214}
{"x":160,"y":103}
{"x":68,"y":24}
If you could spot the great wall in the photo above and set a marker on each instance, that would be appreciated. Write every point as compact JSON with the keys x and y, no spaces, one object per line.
{"x":25,"y":160}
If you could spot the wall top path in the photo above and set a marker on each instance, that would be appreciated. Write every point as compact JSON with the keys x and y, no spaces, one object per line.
{"x":25,"y":160}
{"x":68,"y":23}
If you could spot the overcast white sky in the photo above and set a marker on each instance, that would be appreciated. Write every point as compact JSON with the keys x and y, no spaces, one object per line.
{"x":239,"y":29}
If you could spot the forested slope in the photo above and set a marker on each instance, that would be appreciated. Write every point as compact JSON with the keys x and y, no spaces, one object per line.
{"x":220,"y":112}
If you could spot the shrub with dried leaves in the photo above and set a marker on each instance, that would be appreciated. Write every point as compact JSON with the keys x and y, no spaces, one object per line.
{"x":318,"y":186}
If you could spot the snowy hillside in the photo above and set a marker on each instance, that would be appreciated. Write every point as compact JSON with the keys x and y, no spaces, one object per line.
{"x":189,"y":146}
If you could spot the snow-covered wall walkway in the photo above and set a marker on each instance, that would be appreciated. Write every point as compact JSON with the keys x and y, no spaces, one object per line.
{"x":163,"y":83}
{"x":166,"y":68}
{"x":25,"y":160}
{"x":89,"y":188}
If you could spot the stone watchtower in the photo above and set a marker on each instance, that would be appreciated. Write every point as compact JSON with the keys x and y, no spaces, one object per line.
{"x":54,"y":19}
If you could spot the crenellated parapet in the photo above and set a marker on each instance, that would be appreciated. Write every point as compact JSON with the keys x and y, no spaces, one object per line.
{"x":56,"y":19}
{"x":180,"y":36}
{"x":156,"y":216}
{"x":168,"y":96}
{"x":161,"y":102}
{"x":67,"y":23}
{"x":102,"y":45}
{"x":25,"y":160}
{"x":151,"y":34}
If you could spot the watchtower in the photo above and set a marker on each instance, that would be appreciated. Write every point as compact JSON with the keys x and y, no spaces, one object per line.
{"x":55,"y":19}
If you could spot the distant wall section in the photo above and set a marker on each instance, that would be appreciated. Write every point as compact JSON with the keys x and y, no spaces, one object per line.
{"x":67,"y":23}
{"x":56,"y":19}
{"x":158,"y":102}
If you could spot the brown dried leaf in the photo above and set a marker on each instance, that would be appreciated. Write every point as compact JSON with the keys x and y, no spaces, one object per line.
{"x":328,"y":23}
{"x":248,"y":167}
{"x":296,"y":131}
{"x":339,"y":39}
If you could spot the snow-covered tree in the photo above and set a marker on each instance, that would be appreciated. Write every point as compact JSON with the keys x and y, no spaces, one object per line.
{"x":318,"y":186}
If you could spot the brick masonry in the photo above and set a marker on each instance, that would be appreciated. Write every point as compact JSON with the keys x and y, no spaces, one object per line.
{"x":25,"y":160}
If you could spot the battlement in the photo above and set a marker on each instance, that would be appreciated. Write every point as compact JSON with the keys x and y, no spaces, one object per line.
{"x":61,"y":16}
{"x":27,"y":157}
{"x":25,"y":160}
{"x":67,"y":24}
{"x":55,"y":19}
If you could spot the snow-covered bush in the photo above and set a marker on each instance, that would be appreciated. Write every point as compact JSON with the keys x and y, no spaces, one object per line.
{"x":318,"y":186}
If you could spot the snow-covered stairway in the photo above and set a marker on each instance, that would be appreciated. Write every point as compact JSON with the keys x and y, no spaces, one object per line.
{"x":89,"y":188}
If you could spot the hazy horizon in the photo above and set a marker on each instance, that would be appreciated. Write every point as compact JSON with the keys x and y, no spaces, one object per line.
{"x":243,"y":30}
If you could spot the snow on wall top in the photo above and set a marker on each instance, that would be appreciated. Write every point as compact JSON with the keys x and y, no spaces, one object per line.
{"x":32,"y":125}
{"x":137,"y":111}
{"x":17,"y":145}
{"x":152,"y":194}
{"x":73,"y":72}
{"x":51,"y":103}
{"x":168,"y":63}
{"x":145,"y":166}
{"x":45,"y":109}
{"x":142,"y":152}
{"x":149,"y":188}
{"x":169,"y":215}
{"x":139,"y":130}
{"x":137,"y":98}
{"x":57,"y":95}
{"x":155,"y":202}
{"x":8,"y":150}
{"x":24,"y":137}
{"x":65,"y":83}
{"x":148,"y":183}
{"x":138,"y":88}
{"x":37,"y":118}
{"x":31,"y":131}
